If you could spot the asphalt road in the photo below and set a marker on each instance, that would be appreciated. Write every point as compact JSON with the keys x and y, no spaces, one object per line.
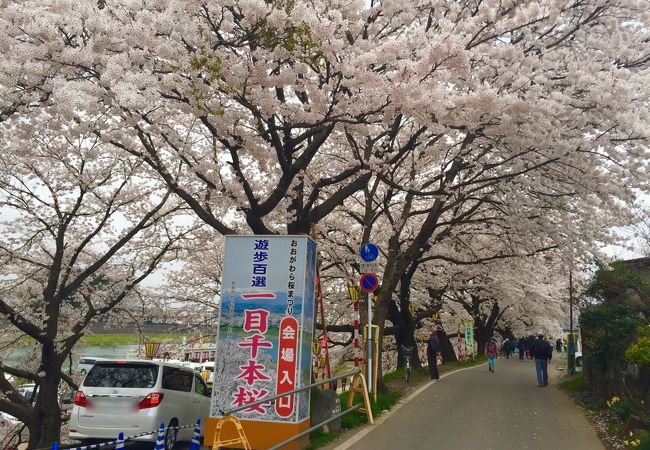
{"x":475,"y":409}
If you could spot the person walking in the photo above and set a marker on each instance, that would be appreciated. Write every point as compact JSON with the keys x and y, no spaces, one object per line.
{"x":558,"y":345}
{"x":542,"y":352}
{"x":433,"y":350}
{"x":492,"y":352}
{"x":520,"y":347}
{"x":508,"y":347}
{"x":529,"y":343}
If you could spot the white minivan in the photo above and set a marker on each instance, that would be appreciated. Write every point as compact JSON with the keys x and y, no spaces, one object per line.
{"x":86,"y":363}
{"x":136,"y":396}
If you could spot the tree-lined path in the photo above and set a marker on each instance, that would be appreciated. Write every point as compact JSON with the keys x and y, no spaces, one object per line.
{"x":475,"y":409}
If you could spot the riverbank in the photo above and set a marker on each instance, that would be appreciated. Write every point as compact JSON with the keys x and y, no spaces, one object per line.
{"x":118,"y":346}
{"x":152,"y":328}
{"x":115,"y":340}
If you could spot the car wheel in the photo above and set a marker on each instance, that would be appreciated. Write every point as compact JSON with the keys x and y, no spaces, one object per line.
{"x":82,"y":371}
{"x":579,"y":361}
{"x":170,"y":435}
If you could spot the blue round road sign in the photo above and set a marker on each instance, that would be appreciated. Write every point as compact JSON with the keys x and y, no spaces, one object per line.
{"x":369,"y":252}
{"x":368,"y":282}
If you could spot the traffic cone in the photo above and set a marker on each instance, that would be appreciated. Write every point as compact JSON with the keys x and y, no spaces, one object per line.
{"x":196,"y":438}
{"x":120,"y":442}
{"x":160,"y":440}
{"x":55,"y":445}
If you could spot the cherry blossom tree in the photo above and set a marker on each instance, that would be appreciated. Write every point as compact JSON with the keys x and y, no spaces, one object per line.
{"x":641,"y":229}
{"x":82,"y":227}
{"x":432,"y":120}
{"x":507,"y":116}
{"x":232,"y":105}
{"x":194,"y":278}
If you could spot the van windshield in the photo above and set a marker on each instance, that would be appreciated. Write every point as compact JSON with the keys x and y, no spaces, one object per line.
{"x":113,"y":375}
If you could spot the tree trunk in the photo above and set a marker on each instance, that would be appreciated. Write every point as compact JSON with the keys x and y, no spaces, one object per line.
{"x":483,"y":324}
{"x":446,"y":347}
{"x":403,"y":320}
{"x":379,"y":318}
{"x":406,"y":337}
{"x":481,"y":335}
{"x":45,"y":424}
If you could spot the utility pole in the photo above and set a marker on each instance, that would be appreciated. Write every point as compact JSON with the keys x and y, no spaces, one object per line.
{"x":571,"y":350}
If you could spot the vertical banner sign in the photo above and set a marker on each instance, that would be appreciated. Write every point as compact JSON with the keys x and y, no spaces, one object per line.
{"x":469,"y":337}
{"x":266,"y":327}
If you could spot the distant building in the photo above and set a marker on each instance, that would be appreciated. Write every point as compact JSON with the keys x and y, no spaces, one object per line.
{"x":641,"y":265}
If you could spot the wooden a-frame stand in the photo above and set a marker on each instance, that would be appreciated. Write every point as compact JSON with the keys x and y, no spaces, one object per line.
{"x":358,"y":385}
{"x":217,"y":443}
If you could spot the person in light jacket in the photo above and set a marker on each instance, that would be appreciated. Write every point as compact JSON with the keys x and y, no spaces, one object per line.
{"x":492,"y":352}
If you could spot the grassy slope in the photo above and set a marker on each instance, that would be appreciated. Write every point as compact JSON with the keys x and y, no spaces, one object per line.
{"x":112,"y":340}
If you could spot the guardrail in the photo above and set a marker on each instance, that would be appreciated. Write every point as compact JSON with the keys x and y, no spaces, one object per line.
{"x":315,"y":427}
{"x":160,"y":432}
{"x":267,"y":400}
{"x":285,"y":394}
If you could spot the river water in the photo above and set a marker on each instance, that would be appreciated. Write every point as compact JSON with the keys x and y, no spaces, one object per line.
{"x":101,"y":351}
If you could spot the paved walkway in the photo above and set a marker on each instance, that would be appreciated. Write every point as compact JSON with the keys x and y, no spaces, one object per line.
{"x":475,"y":409}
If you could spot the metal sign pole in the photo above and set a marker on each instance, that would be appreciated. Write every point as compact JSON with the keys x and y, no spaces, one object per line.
{"x":368,"y":283}
{"x":370,"y":383}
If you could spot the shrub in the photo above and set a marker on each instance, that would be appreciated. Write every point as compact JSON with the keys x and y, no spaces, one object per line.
{"x":622,"y":408}
{"x":637,"y":442}
{"x":626,"y":407}
{"x":639,"y":352}
{"x":645,"y":443}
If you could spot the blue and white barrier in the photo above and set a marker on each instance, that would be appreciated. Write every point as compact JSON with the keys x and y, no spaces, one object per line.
{"x":119,"y":442}
{"x":196,"y":438}
{"x":160,"y":439}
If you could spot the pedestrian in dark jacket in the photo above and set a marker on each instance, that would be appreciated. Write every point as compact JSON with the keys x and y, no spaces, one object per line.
{"x":508,"y":347}
{"x":433,"y":350}
{"x":520,"y":347}
{"x":542,"y":352}
{"x":558,"y":345}
{"x":492,"y":352}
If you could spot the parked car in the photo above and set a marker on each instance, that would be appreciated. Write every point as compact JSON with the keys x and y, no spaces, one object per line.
{"x":136,"y":396}
{"x":192,"y":365}
{"x":8,"y":421}
{"x":579,"y":358}
{"x":207,"y":372}
{"x":66,"y":402}
{"x":28,"y":391}
{"x":65,"y":396}
{"x":86,"y":363}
